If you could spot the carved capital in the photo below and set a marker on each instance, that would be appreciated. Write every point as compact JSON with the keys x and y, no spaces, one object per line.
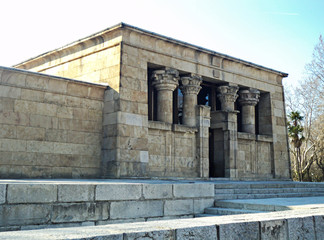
{"x":167,"y":79}
{"x":227,"y":93}
{"x":191,"y":84}
{"x":249,"y":97}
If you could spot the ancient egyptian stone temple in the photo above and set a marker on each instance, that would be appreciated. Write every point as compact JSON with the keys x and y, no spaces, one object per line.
{"x":129,"y":103}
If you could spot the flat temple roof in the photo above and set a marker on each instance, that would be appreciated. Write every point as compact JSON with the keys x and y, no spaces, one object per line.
{"x":124,"y":25}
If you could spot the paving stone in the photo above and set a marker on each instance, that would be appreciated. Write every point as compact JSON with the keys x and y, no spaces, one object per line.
{"x":31,"y":193}
{"x":319,"y":227}
{"x":193,"y":190}
{"x":201,"y":204}
{"x":275,"y":229}
{"x":157,"y":191}
{"x":301,"y":228}
{"x":242,"y":231}
{"x":156,"y":235}
{"x":197,"y":233}
{"x":75,"y":193}
{"x":178,"y":207}
{"x":24,"y":214}
{"x":136,"y":209}
{"x":3,"y":193}
{"x":118,"y":192}
{"x":79,"y":212}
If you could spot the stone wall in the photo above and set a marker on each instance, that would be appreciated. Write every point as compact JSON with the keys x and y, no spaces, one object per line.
{"x":255,"y":156}
{"x":172,"y":150}
{"x":74,"y":203}
{"x":122,"y":56}
{"x":49,"y":126}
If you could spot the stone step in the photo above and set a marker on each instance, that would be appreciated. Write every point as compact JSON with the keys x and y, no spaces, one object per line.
{"x":248,"y":206}
{"x":228,"y":211}
{"x":268,"y":185}
{"x":205,"y":215}
{"x":259,"y":196}
{"x":268,"y":190}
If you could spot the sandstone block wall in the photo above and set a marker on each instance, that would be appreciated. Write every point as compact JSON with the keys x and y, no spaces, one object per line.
{"x":172,"y":150}
{"x":49,"y":127}
{"x":255,"y":156}
{"x":40,"y":205}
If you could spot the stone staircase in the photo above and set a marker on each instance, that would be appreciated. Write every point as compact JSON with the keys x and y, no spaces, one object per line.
{"x":225,"y":192}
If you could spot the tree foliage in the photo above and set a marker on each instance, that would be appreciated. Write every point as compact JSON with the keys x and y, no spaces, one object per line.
{"x":305,"y":104}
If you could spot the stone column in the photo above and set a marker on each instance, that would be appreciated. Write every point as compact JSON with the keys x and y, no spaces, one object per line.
{"x":165,"y":82}
{"x":227,"y":95}
{"x":248,"y":100}
{"x":190,"y":89}
{"x":227,"y":119}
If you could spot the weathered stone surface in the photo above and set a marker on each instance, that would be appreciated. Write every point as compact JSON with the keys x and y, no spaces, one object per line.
{"x":193,"y":190}
{"x":24,"y":214}
{"x":201,"y":204}
{"x":319,"y":227}
{"x":276,"y":229}
{"x":157,"y":191}
{"x":3,"y":193}
{"x":118,"y":192}
{"x":156,"y":235}
{"x":79,"y":212}
{"x":301,"y":228}
{"x":75,"y":193}
{"x":178,"y":207}
{"x":136,"y":209}
{"x":29,"y":193}
{"x":197,"y":233}
{"x":246,"y":230}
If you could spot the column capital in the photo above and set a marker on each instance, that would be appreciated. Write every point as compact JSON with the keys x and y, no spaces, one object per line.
{"x":167,"y":79}
{"x":249,"y":97}
{"x":227,"y":95}
{"x":191,"y":84}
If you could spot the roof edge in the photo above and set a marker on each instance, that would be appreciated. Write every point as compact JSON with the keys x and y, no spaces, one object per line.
{"x":186,"y":44}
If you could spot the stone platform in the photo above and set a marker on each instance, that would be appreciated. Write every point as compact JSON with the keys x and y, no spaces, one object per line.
{"x":37,"y":204}
{"x":30,"y":204}
{"x":293,"y":224}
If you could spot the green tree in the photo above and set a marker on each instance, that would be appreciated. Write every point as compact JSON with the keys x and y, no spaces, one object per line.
{"x":295,"y":132}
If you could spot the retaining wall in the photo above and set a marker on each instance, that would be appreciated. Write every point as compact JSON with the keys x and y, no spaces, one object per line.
{"x":39,"y":204}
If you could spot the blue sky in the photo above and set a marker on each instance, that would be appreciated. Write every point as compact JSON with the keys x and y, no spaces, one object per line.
{"x":273,"y":33}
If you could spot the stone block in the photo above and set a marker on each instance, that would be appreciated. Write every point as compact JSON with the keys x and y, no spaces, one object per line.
{"x":24,"y":214}
{"x":10,"y":92}
{"x":136,"y":209}
{"x":201,"y":204}
{"x":75,"y":89}
{"x":245,"y":230}
{"x":275,"y":229}
{"x":301,"y":228}
{"x":319,"y":227}
{"x":197,"y":233}
{"x":156,"y":235}
{"x":157,"y":191}
{"x":178,"y":207}
{"x":7,"y":131}
{"x":118,"y":192}
{"x":31,"y":193}
{"x":79,"y":212}
{"x":12,"y":145}
{"x":3,"y":193}
{"x":40,"y":146}
{"x":75,"y":193}
{"x":193,"y":190}
{"x":30,"y":133}
{"x":32,"y":95}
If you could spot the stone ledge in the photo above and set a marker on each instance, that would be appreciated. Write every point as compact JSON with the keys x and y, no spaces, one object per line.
{"x":307,"y":224}
{"x":159,"y":125}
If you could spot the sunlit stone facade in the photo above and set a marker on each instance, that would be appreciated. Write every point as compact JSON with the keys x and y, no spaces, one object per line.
{"x":173,"y":109}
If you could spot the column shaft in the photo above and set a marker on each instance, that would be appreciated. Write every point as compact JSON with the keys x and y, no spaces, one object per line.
{"x":165,"y":82}
{"x":190,"y":88}
{"x":248,"y":100}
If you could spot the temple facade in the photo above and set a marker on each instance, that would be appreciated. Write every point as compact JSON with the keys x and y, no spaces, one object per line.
{"x":164,"y":108}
